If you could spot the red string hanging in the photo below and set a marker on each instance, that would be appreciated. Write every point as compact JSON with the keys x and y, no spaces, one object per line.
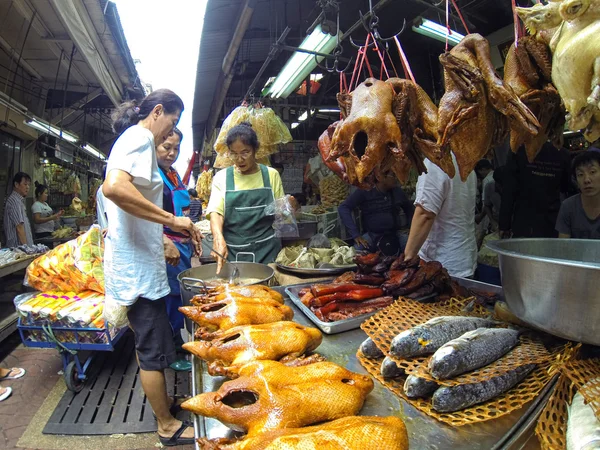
{"x":405,"y":65}
{"x":383,"y":68}
{"x":448,"y":29}
{"x":518,"y":30}
{"x":461,"y":16}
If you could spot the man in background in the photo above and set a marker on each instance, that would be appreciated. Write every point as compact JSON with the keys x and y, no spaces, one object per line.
{"x":379,"y":208}
{"x":579,"y":216}
{"x":531,"y":193}
{"x":16,"y":223}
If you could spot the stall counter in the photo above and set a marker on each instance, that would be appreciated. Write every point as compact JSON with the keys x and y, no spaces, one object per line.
{"x":424,"y":432}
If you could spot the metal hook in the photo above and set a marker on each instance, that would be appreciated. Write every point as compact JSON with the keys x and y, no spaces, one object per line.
{"x":372,"y":28}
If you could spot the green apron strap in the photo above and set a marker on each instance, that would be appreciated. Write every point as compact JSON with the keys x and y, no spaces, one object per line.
{"x":265,"y":176}
{"x":229,"y":179}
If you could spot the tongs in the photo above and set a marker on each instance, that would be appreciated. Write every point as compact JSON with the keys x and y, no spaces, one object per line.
{"x":235,"y":273}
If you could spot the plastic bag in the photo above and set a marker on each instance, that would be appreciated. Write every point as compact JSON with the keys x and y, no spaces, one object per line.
{"x":73,"y":266}
{"x":115,"y":313}
{"x":285,"y":224}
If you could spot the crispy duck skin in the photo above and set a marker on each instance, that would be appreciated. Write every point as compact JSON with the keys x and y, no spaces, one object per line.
{"x":369,"y":279}
{"x":356,"y":295}
{"x":227,"y":291}
{"x":325,"y":289}
{"x":369,"y":259}
{"x":230,"y":313}
{"x":346,"y":277}
{"x":268,"y":395}
{"x":351,"y":309}
{"x":348,"y":433}
{"x":240,"y":345}
{"x":401,"y":263}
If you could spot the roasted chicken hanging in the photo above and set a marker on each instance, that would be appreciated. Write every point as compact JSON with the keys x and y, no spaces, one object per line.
{"x":575,"y":57}
{"x":348,"y":433}
{"x":227,"y":314}
{"x":473,"y":112}
{"x":528,"y":72}
{"x":269,"y":395}
{"x":239,"y":345}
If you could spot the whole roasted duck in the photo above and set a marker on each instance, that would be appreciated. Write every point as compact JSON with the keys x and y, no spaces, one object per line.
{"x":268,"y":395}
{"x":473,"y":112}
{"x":348,"y":433}
{"x":230,"y":349}
{"x":528,"y":72}
{"x":227,"y":314}
{"x":228,"y":291}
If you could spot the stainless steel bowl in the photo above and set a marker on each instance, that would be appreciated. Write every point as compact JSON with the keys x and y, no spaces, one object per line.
{"x":190,"y":280}
{"x":553,"y":284}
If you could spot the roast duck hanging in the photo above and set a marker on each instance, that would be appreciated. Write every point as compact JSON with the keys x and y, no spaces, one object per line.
{"x":571,"y":28}
{"x":394,"y":125}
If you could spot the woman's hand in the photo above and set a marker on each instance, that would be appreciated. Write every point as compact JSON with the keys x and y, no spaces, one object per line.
{"x":220,"y":246}
{"x":172,"y":255}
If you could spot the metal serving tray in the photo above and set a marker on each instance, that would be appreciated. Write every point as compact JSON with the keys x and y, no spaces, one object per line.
{"x":325,"y":327}
{"x":334,"y":270}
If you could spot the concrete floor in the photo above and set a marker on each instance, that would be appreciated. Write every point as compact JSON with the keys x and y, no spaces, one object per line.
{"x":24,"y":414}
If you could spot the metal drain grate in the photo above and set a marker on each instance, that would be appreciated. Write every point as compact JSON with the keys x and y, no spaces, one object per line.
{"x":112,"y":400}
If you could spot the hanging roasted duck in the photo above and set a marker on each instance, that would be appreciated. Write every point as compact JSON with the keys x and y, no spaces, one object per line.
{"x":230,"y":349}
{"x":348,"y":433}
{"x":575,"y":51}
{"x":268,"y":395}
{"x":476,"y":107}
{"x":528,"y":72}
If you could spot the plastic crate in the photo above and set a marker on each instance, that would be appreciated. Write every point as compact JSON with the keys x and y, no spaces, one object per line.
{"x":324,"y":221}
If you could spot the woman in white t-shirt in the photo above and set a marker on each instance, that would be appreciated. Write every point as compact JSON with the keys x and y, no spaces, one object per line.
{"x":43,"y":215}
{"x":134,"y":257}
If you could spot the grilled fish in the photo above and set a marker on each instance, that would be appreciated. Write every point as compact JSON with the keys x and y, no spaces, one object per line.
{"x":583,"y":429}
{"x":416,"y":387}
{"x":370,"y":350}
{"x":454,"y":398}
{"x":472,"y":350}
{"x":431,"y":335}
{"x":389,"y":369}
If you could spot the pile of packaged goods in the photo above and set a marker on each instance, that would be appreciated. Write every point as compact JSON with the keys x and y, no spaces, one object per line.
{"x":75,"y":266}
{"x":63,"y":309}
{"x":12,"y":255}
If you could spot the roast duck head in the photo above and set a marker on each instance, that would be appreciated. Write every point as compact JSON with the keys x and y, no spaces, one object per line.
{"x":269,"y":395}
{"x":528,"y":72}
{"x":575,"y":51}
{"x":477,"y":106}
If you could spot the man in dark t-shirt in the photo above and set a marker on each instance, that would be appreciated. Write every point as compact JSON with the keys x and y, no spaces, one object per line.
{"x":579,"y":216}
{"x":531,"y":192}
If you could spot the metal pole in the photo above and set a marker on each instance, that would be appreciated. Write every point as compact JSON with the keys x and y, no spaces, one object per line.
{"x":62,"y":114}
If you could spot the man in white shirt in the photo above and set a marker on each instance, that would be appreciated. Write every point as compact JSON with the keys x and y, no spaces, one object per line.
{"x":443,"y":226}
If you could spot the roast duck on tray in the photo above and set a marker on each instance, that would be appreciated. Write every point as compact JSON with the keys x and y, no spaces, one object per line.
{"x":278,"y":386}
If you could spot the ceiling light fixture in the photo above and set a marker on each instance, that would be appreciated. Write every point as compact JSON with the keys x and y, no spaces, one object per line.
{"x":436,"y":31}
{"x":47,"y":128}
{"x":332,"y":110}
{"x":304,"y":115}
{"x":301,"y":64}
{"x":94,"y":151}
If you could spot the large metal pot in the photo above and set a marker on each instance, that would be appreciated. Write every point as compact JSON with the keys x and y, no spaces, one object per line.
{"x":189,"y":280}
{"x":553,"y":284}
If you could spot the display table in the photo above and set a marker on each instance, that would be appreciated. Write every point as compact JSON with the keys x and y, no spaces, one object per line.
{"x":19,"y":264}
{"x":507,"y":432}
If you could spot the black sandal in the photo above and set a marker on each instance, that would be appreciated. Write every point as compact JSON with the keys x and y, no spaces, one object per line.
{"x":176,"y":439}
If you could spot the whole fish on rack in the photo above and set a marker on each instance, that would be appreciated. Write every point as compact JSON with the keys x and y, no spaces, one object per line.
{"x":389,"y":369}
{"x":370,"y":350}
{"x":583,"y":428}
{"x":471,"y":351}
{"x":454,"y":398}
{"x":431,"y":335}
{"x":417,"y":387}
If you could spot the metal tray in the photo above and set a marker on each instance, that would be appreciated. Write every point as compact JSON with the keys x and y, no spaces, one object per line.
{"x":318,"y":272}
{"x":325,"y":327}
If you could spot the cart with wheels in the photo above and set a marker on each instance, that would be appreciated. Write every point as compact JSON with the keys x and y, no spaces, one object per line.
{"x":69,"y":341}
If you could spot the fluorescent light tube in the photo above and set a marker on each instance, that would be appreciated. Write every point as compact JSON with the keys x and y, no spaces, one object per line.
{"x":436,"y":31}
{"x":300,"y":65}
{"x":93,"y":151}
{"x":47,"y":128}
{"x":304,"y":115}
{"x":294,"y":125}
{"x":334,"y":110}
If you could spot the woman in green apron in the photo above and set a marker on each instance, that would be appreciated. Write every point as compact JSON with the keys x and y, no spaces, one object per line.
{"x":239,"y":196}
